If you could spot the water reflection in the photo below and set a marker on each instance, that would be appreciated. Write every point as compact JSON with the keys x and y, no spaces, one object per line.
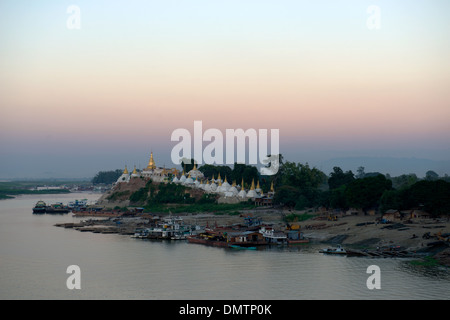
{"x":34,"y":256}
{"x":432,"y":272}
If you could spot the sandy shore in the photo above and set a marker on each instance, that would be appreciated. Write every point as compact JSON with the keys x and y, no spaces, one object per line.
{"x":359,"y":231}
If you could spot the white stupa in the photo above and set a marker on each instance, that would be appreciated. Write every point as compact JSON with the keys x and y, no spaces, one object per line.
{"x":258,"y":189}
{"x":233,"y":189}
{"x":134,"y":174}
{"x":213,"y":185}
{"x":183,"y":177}
{"x":225,"y":185}
{"x":196,"y":174}
{"x":207,"y":187}
{"x":220,"y":188}
{"x":125,"y":177}
{"x":252,"y":193}
{"x":189,"y":181}
{"x":242,"y":193}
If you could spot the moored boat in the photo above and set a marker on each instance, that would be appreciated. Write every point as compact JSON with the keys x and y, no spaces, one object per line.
{"x":40,"y":207}
{"x":273,"y":237}
{"x":234,"y":246}
{"x":171,"y":228}
{"x":57,"y":208}
{"x":337,"y":250}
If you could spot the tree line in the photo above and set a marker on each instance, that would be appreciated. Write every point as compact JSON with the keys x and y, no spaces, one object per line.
{"x":300,"y":186}
{"x":304,"y":187}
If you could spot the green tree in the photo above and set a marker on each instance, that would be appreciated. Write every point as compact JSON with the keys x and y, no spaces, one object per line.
{"x":210,"y":171}
{"x":366,"y":193}
{"x":338,"y":198}
{"x":433,"y":196}
{"x":287,"y":196}
{"x":339,"y":178}
{"x":360,"y":173}
{"x":391,"y":199}
{"x":404,"y":181}
{"x":431,"y":175}
{"x":299,"y":186}
{"x":107,"y":177}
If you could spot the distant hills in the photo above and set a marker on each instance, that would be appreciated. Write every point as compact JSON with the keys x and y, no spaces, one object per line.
{"x":387,"y":165}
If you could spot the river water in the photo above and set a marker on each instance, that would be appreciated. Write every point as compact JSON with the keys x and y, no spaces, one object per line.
{"x":34,"y":256}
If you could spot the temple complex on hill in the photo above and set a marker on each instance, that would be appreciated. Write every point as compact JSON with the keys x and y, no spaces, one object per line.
{"x":153,"y":172}
{"x":196,"y":179}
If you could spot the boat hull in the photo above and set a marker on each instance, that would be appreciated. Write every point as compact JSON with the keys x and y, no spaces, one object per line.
{"x":56,"y":211}
{"x":224,"y":244}
{"x":302,"y":241}
{"x":242,"y":248}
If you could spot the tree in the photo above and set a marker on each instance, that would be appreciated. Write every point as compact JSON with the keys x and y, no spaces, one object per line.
{"x":338,"y":198}
{"x":302,"y":176}
{"x":391,"y":199}
{"x":360,"y":173}
{"x":432,"y":196}
{"x":431,"y":175}
{"x":210,"y":171}
{"x":276,"y":178}
{"x":404,"y":181}
{"x":188,"y":165}
{"x":366,"y":193}
{"x":287,"y":195}
{"x":300,"y":186}
{"x":338,"y":178}
{"x":107,"y":177}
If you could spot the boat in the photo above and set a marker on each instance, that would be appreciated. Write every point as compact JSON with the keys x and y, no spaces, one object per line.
{"x":298,"y":241}
{"x":78,"y":205}
{"x":337,"y":250}
{"x":273,"y":237}
{"x":40,"y":207}
{"x":226,"y":239}
{"x":171,"y":228}
{"x":209,"y":240}
{"x":296,"y":237}
{"x":234,"y":246}
{"x":57,"y":208}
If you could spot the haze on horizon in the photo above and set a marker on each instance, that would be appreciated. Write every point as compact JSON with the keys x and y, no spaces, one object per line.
{"x":74,"y":102}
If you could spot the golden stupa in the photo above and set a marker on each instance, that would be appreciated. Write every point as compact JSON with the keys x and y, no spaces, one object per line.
{"x":151,"y":164}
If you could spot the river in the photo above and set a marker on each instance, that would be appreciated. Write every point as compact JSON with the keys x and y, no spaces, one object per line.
{"x":35,"y":255}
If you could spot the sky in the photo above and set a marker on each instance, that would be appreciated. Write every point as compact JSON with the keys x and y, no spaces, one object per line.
{"x":102,"y":92}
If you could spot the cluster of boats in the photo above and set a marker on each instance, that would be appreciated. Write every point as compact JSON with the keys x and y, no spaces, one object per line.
{"x":248,"y":236}
{"x":58,"y":208}
{"x":171,"y":228}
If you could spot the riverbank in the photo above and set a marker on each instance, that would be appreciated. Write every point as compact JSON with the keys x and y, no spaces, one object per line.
{"x":356,"y":232}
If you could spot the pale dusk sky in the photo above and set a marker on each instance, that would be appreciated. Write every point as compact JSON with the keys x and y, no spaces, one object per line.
{"x":76,"y":101}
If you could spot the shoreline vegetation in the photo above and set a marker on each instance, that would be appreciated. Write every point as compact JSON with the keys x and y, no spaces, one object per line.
{"x":10,"y":189}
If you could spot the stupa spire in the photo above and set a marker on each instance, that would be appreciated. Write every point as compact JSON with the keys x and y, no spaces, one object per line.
{"x":151,"y":163}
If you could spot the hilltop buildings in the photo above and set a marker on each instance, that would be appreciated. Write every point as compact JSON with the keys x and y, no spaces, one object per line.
{"x":195,"y":179}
